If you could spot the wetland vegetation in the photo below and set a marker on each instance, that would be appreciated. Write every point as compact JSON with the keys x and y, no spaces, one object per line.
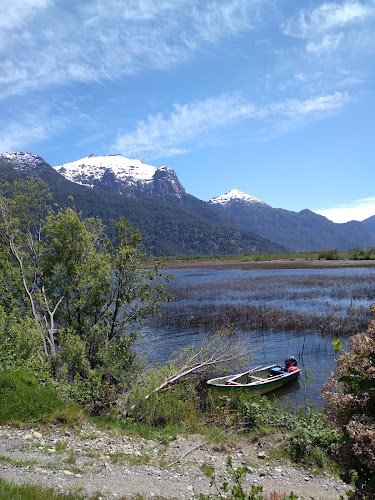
{"x":334,"y":302}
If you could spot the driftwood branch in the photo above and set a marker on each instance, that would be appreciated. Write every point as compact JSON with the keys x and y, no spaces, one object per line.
{"x":196,"y":448}
{"x":218,"y":350}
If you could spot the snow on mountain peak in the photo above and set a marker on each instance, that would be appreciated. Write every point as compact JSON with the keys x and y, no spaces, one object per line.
{"x":235,"y":195}
{"x":22,"y":160}
{"x":122,"y":175}
{"x":87,"y":170}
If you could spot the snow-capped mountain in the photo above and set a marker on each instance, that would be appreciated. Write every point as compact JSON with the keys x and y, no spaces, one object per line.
{"x":235,"y":196}
{"x":122,"y":175}
{"x":22,"y":161}
{"x":231,"y":223}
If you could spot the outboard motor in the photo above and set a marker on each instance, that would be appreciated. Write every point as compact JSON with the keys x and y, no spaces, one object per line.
{"x":291,"y":361}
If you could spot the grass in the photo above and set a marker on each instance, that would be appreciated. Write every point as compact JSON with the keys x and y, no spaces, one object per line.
{"x":20,"y":463}
{"x":24,"y":399}
{"x":35,"y":492}
{"x":330,"y":254}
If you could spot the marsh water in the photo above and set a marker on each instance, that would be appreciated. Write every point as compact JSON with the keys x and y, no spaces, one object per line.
{"x":278,"y":312}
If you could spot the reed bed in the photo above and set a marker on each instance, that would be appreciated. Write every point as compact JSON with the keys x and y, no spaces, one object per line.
{"x":252,"y":317}
{"x":326,"y":303}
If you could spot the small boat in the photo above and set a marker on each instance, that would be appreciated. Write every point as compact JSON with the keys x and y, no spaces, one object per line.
{"x":259,"y":379}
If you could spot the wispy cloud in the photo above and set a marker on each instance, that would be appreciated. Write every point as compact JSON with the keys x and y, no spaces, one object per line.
{"x":323,"y":27}
{"x":16,"y":134}
{"x":18,"y":13}
{"x":327,"y":17}
{"x":100,"y":40}
{"x":21,"y":131}
{"x":159,"y":135}
{"x":162,"y":136}
{"x":356,"y":210}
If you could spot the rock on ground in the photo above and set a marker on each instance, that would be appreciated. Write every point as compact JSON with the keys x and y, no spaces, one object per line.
{"x":89,"y":461}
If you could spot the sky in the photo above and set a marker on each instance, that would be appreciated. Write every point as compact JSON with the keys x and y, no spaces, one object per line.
{"x":271,"y":97}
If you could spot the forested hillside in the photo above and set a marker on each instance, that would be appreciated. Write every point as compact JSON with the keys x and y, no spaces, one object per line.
{"x":166,"y":229}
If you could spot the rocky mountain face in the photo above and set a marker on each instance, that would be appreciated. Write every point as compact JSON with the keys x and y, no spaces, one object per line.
{"x":118,"y":174}
{"x":302,"y":231}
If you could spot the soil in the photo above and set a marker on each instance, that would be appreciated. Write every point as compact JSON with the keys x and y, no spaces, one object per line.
{"x":89,"y":461}
{"x":272,"y":264}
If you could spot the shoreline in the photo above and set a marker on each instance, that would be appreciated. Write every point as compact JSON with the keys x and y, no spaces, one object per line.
{"x":271,"y":264}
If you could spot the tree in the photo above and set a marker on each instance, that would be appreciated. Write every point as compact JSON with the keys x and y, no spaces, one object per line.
{"x":85,"y":295}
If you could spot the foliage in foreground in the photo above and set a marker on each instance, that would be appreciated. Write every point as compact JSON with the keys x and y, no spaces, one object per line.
{"x":350,"y":394}
{"x":70,"y":299}
{"x":235,"y":489}
{"x":308,"y":438}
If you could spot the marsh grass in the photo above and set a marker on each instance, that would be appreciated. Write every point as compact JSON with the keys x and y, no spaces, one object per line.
{"x":327,"y":303}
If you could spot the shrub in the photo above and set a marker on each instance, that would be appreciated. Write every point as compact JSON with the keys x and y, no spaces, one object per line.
{"x":350,"y":394}
{"x":331,"y":254}
{"x":309,"y":437}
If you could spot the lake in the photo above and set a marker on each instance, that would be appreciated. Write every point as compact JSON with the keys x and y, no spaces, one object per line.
{"x":309,"y":308}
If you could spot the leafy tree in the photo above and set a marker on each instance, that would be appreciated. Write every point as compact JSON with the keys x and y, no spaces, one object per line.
{"x":84,"y":295}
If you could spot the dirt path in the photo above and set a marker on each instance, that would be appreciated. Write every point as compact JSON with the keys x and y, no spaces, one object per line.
{"x":88,"y":461}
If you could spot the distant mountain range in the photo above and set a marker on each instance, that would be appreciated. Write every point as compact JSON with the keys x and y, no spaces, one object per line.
{"x":173,"y":222}
{"x":300,"y":231}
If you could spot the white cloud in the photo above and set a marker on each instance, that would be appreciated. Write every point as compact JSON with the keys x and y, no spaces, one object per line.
{"x":316,"y":105}
{"x":331,"y":24}
{"x":161,"y":135}
{"x":356,"y":210}
{"x":327,"y":17}
{"x":19,"y":132}
{"x":99,"y":40}
{"x":16,"y":13}
{"x":327,"y":43}
{"x":16,"y":135}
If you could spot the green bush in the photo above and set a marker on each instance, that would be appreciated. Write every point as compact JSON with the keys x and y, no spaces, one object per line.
{"x":21,"y":345}
{"x":331,"y":254}
{"x":350,"y":394}
{"x":362,"y":254}
{"x":177,"y":405}
{"x":308,"y":439}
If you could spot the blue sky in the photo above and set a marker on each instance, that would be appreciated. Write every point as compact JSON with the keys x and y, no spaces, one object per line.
{"x":271,"y":97}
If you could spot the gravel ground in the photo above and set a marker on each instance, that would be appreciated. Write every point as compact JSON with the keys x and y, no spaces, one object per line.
{"x":89,"y":461}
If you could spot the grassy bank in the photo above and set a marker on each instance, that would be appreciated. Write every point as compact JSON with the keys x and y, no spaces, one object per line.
{"x":358,"y":254}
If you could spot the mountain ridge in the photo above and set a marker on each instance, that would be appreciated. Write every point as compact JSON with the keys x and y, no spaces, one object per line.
{"x":123,"y":178}
{"x":167,"y":228}
{"x":124,"y":175}
{"x":300,"y":231}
